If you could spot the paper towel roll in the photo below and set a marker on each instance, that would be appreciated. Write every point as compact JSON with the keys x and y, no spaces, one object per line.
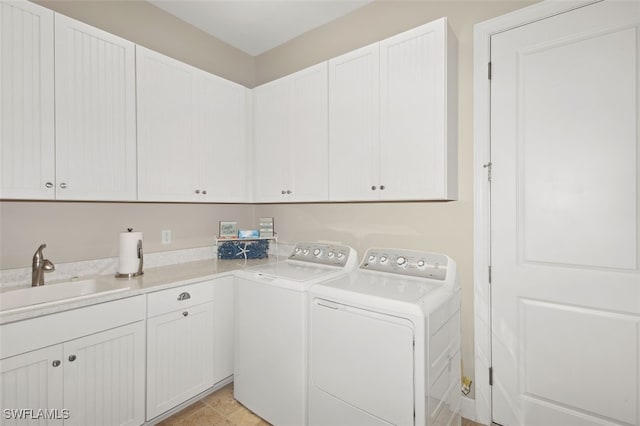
{"x":129,"y":260}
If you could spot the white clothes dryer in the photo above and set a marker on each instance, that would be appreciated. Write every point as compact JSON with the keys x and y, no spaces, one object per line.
{"x":270,"y":362}
{"x":384,"y":343}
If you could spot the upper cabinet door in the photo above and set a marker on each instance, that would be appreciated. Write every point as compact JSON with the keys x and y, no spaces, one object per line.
{"x":166,"y":148}
{"x":418,"y":140}
{"x":95,"y":113}
{"x":290,"y":137}
{"x":354,"y":125}
{"x":271,"y":141}
{"x":221,"y":138}
{"x":26,"y":101}
{"x":309,"y":168}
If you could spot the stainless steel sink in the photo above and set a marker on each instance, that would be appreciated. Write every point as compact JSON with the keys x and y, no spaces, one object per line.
{"x":22,"y":299}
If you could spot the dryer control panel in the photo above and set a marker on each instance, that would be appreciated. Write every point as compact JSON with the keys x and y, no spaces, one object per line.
{"x":406,"y":262}
{"x":324,"y":254}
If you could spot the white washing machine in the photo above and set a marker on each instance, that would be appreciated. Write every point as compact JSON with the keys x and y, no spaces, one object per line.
{"x":270,"y":368}
{"x":384,"y":343}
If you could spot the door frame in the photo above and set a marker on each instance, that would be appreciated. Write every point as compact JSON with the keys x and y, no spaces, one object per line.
{"x":482,"y":207}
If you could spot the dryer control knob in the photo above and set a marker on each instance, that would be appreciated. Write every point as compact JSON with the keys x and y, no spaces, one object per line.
{"x":317,"y":252}
{"x":401,"y":261}
{"x":331,"y":255}
{"x":305,"y":252}
{"x":340,"y":256}
{"x":383,"y":259}
{"x":371,"y":258}
{"x":421,"y":263}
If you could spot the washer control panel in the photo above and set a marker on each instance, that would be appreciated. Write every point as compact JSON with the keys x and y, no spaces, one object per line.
{"x":324,"y":254}
{"x":406,"y":262}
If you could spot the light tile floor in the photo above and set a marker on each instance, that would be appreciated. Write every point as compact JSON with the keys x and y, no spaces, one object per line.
{"x":221,"y":409}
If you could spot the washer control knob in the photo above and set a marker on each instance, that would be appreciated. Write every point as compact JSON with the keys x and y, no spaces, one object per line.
{"x":340,"y":256}
{"x":383,"y":259}
{"x":421,"y":263}
{"x":297,"y":250}
{"x":371,"y":258}
{"x":305,"y":252}
{"x":317,"y":252}
{"x":401,"y":261}
{"x":331,"y":255}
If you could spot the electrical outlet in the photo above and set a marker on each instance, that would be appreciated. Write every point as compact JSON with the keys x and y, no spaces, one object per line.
{"x":166,"y":236}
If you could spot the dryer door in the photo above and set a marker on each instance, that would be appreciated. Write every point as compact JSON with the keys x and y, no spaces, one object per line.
{"x":364,"y":359}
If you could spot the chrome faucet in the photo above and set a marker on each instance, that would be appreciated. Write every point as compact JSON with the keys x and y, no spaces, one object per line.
{"x":39,"y":266}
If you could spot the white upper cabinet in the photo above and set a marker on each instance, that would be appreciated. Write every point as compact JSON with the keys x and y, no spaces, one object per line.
{"x":95,"y":113}
{"x":191,"y":133}
{"x":27,"y":162}
{"x":393,"y":126}
{"x":354,"y":123}
{"x":290,"y":138}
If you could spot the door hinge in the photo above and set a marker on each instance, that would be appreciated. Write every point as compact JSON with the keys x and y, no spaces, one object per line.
{"x":489,"y":274}
{"x":490,"y":376}
{"x":488,"y":166}
{"x":489,"y":70}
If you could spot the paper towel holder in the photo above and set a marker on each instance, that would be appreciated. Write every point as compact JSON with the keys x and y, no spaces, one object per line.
{"x":140,"y":262}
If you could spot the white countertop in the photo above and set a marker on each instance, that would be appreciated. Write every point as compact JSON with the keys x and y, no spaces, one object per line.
{"x":154,"y":279}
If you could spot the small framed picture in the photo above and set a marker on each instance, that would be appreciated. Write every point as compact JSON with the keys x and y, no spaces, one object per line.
{"x":228,"y":230}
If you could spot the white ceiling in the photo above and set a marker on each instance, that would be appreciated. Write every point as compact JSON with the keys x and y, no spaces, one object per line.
{"x":256,"y":26}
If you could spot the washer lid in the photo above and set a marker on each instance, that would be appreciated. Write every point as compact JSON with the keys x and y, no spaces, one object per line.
{"x":294,"y":271}
{"x":403,"y":289}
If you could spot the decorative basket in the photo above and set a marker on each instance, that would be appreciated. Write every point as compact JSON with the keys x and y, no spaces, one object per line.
{"x":250,"y":249}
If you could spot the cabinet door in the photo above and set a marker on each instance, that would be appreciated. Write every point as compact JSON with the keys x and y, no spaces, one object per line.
{"x":95,"y":113}
{"x":414,"y":151}
{"x":104,"y":377}
{"x":32,"y":380}
{"x":220,"y":137}
{"x":26,"y":101}
{"x":271,"y":141}
{"x":354,"y":129}
{"x":308,"y":124}
{"x":223,"y":328}
{"x":166,"y":148}
{"x":179,"y":357}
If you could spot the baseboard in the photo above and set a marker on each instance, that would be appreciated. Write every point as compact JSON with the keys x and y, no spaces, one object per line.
{"x":468,"y":408}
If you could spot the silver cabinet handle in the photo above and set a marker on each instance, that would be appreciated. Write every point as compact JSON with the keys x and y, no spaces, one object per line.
{"x":288,"y":191}
{"x":204,"y":192}
{"x":72,"y":358}
{"x":373,"y":187}
{"x":56,"y":363}
{"x":63,"y":185}
{"x":185,"y":313}
{"x":197,"y":191}
{"x":184,"y":296}
{"x":49,"y":184}
{"x":284,"y":192}
{"x":381,"y":187}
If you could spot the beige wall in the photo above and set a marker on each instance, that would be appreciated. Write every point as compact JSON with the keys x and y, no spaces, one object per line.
{"x":445,"y":227}
{"x":79,"y":231}
{"x":152,"y":27}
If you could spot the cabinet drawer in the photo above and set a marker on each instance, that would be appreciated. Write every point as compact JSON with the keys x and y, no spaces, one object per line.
{"x":177,"y":298}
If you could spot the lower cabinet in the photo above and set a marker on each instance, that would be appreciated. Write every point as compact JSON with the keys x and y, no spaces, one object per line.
{"x":93,"y":380}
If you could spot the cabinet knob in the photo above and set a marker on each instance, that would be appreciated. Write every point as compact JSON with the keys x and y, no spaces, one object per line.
{"x":63,"y":185}
{"x":288,"y":191}
{"x":381,"y":187}
{"x":185,"y":313}
{"x":184,"y":296}
{"x":373,"y":187}
{"x":49,"y":184}
{"x":197,"y":191}
{"x":204,"y":192}
{"x":56,"y":363}
{"x":72,"y":358}
{"x":284,"y":192}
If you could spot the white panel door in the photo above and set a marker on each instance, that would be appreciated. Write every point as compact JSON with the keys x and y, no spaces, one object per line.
{"x":220,"y":138}
{"x":32,"y":380}
{"x":95,"y":113}
{"x":27,"y":163}
{"x":413,"y":114}
{"x":179,"y":357}
{"x":104,"y":377}
{"x":354,"y":129}
{"x":223,"y":327}
{"x":565,"y":203}
{"x":308,"y":123}
{"x":271,"y":136}
{"x":166,"y":148}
